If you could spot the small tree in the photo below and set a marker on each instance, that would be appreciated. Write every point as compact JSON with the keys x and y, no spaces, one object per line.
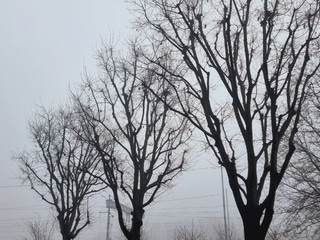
{"x":231,"y":233}
{"x":141,"y":143}
{"x":60,"y":168}
{"x":39,"y":230}
{"x":249,"y":64}
{"x":183,"y":232}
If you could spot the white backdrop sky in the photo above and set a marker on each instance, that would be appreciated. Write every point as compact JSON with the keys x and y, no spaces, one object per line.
{"x":44,"y":48}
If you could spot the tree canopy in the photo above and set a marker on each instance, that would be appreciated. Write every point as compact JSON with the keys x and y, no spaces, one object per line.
{"x":248,"y":66}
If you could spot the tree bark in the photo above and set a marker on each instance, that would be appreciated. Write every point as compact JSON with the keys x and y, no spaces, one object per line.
{"x":253,"y":229}
{"x":137,"y":222}
{"x":65,"y":237}
{"x":135,"y":235}
{"x":253,"y":233}
{"x":65,"y":234}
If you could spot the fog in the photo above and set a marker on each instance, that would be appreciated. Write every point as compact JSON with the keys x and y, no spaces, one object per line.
{"x":45,"y":46}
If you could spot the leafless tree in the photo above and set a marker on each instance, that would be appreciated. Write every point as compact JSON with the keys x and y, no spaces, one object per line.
{"x":141,"y":143}
{"x":40,"y":230}
{"x":249,"y":65}
{"x":199,"y":232}
{"x":183,"y":232}
{"x":302,"y":190}
{"x":276,"y":233}
{"x":231,"y":233}
{"x":58,"y":168}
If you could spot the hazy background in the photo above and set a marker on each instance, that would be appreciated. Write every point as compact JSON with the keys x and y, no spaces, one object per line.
{"x":44,"y":48}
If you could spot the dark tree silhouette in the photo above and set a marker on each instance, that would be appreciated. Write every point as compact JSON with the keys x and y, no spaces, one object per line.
{"x":60,"y":168}
{"x":249,"y":64}
{"x":141,"y":143}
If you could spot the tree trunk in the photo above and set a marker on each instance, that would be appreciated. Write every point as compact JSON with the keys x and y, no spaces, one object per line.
{"x":253,"y":233}
{"x":137,"y":222}
{"x":253,"y":229}
{"x":66,"y":238}
{"x":66,"y":235}
{"x":135,"y":235}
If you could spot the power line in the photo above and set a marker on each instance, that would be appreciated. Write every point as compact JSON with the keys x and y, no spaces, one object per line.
{"x":28,"y":207}
{"x":21,"y":209}
{"x":14,"y":186}
{"x":198,"y":169}
{"x":179,"y":199}
{"x":195,"y":207}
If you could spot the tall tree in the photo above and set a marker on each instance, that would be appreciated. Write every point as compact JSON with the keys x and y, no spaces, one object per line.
{"x":249,"y":64}
{"x":60,"y":168}
{"x":302,"y":188}
{"x":141,"y":143}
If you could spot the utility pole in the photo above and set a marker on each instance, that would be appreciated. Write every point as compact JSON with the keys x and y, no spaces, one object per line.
{"x":112,"y":205}
{"x":228,"y":216}
{"x":108,"y":223}
{"x":224,"y":208}
{"x":88,"y":215}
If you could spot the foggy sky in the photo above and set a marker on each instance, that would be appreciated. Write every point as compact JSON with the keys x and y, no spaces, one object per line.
{"x":44,"y":48}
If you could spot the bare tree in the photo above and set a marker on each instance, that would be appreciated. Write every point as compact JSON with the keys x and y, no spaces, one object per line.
{"x":276,"y":233}
{"x":189,"y":233}
{"x":58,"y":168}
{"x":148,"y":141}
{"x":302,"y":190}
{"x":39,"y":230}
{"x":249,"y":64}
{"x":231,"y":233}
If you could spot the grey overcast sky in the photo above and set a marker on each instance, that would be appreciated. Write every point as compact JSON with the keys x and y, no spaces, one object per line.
{"x":44,"y":48}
